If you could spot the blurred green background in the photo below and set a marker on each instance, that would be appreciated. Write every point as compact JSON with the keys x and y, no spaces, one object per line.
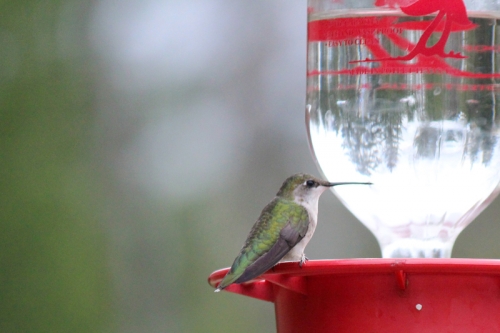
{"x":139,"y":141}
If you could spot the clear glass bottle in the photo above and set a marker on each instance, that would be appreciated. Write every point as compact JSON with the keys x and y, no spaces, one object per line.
{"x":403,"y":94}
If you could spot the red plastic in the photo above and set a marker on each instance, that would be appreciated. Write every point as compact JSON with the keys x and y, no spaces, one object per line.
{"x":380,"y":295}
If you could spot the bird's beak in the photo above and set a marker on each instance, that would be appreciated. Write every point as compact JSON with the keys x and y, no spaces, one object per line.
{"x":327,"y":184}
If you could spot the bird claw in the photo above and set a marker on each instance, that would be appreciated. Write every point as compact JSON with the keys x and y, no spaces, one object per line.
{"x":303,"y":260}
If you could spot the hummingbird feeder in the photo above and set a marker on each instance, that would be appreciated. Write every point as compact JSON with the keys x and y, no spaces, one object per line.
{"x":402,"y":94}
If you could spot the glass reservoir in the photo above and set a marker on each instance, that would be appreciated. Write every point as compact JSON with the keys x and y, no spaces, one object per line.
{"x":408,"y":99}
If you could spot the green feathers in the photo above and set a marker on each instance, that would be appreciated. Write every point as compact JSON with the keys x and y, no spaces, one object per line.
{"x":266,"y":235}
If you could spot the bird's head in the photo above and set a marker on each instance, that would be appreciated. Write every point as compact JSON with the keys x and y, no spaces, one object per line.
{"x":306,"y":188}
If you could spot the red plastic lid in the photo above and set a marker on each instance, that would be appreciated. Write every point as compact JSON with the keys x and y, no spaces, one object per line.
{"x":380,"y":295}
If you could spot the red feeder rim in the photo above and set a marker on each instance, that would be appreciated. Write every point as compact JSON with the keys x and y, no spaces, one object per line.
{"x":379,"y":295}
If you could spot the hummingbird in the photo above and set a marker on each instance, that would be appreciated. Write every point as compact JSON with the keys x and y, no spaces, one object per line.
{"x":283,"y":229}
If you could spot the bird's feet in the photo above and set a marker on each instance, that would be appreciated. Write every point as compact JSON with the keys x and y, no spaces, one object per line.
{"x":303,"y":260}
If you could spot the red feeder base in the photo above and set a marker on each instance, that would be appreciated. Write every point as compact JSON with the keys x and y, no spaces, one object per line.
{"x":380,"y":295}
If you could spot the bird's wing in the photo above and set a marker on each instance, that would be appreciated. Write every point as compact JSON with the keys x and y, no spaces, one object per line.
{"x":288,"y":238}
{"x":280,"y":227}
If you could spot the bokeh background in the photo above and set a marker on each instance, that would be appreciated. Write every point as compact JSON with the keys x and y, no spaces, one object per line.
{"x":139,"y":140}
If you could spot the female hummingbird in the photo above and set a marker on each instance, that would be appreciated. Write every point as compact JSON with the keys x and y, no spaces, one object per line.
{"x":283,"y":229}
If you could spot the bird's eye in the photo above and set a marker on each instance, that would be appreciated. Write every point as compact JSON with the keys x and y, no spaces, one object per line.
{"x":310,"y":183}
